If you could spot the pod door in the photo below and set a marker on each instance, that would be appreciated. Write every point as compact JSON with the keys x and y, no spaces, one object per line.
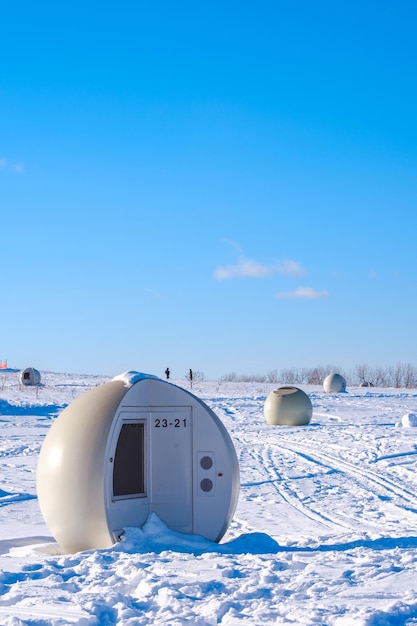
{"x":171,"y":467}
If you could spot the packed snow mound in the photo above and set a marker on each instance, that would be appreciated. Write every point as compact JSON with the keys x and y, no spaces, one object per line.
{"x":155,"y":536}
{"x":409,"y":420}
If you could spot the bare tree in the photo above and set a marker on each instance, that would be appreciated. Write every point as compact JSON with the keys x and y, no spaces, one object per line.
{"x":409,"y":376}
{"x":316,"y":375}
{"x":362,"y":374}
{"x":401,"y":375}
{"x":272,"y":376}
{"x":287,"y":376}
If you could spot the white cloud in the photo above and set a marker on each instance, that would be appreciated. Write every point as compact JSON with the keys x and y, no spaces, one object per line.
{"x":306,"y":293}
{"x":247,"y":268}
{"x":18,"y":168}
{"x":291,"y":268}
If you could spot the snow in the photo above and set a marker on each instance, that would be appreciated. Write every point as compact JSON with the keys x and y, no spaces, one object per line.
{"x":409,"y":420}
{"x":131,"y":377}
{"x":325,"y":531}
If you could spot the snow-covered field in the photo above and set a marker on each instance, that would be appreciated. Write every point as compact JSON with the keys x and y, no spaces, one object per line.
{"x":325,"y":531}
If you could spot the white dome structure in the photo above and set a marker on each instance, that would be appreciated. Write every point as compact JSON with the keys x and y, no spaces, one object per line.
{"x":409,"y":420}
{"x":334,"y":383}
{"x":134,"y":446}
{"x":288,"y":406}
{"x":30,"y":376}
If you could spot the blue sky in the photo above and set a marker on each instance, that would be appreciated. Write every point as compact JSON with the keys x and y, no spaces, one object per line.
{"x":226,"y":186}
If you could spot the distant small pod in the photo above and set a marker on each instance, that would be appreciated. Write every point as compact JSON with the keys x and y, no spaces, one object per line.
{"x":288,"y":406}
{"x":30,"y":376}
{"x":334,"y":383}
{"x":409,"y":420}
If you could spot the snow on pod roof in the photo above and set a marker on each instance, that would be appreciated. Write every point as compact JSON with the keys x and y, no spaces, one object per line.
{"x":132,"y":377}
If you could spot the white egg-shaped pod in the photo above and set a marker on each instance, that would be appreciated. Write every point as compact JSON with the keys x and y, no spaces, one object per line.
{"x":288,"y":406}
{"x":334,"y":383}
{"x":130,"y":447}
{"x":409,"y":420}
{"x":30,"y":376}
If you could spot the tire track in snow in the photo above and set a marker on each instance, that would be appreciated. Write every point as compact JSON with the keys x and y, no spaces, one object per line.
{"x":275,"y":471}
{"x":266,"y":459}
{"x":364,"y":476}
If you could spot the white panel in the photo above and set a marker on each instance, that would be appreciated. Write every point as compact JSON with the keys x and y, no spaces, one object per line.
{"x":171,"y":467}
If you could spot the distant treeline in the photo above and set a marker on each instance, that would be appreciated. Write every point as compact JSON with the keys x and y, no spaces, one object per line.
{"x":402,"y":375}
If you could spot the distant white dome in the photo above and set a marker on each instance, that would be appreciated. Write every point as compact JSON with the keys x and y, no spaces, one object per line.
{"x":334,"y":383}
{"x":288,"y":406}
{"x":30,"y":376}
{"x":409,"y":420}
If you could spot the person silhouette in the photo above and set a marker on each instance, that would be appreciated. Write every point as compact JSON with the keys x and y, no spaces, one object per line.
{"x":167,"y":373}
